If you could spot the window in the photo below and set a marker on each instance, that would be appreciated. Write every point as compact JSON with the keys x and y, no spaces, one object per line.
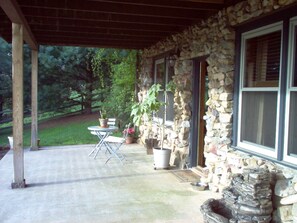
{"x":259,"y":91}
{"x":163,"y":75}
{"x":291,"y":120}
{"x":267,"y":90}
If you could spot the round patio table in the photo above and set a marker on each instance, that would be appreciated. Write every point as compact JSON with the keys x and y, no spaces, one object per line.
{"x":101,"y":133}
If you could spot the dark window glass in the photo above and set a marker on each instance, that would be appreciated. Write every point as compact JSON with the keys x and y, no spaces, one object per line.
{"x":262,"y":60}
{"x":258,"y":122}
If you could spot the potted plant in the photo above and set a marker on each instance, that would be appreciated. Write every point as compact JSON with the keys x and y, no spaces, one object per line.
{"x":144,"y":111}
{"x":129,"y":132}
{"x":103,"y":120}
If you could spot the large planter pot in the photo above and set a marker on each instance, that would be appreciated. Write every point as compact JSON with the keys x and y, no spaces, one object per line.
{"x":161,"y":157}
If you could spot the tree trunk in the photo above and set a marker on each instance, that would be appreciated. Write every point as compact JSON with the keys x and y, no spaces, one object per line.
{"x":1,"y":106}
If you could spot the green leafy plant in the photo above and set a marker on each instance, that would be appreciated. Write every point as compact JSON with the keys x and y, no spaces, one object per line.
{"x":144,"y":110}
{"x":103,"y":114}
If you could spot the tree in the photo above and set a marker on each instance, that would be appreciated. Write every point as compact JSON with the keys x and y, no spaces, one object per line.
{"x":6,"y":77}
{"x":66,"y":77}
{"x":117,"y":75}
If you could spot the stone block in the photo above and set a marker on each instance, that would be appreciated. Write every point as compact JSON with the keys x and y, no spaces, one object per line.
{"x":294,"y":210}
{"x":289,"y":173}
{"x":227,"y":104}
{"x":284,"y":188}
{"x":291,"y":199}
{"x":225,"y":118}
{"x":284,"y":213}
{"x":226,"y":96}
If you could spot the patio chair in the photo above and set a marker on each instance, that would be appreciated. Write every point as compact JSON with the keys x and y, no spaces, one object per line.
{"x":113,"y":145}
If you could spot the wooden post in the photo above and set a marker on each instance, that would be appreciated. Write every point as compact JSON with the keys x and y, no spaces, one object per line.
{"x":17,"y":100}
{"x":34,"y":101}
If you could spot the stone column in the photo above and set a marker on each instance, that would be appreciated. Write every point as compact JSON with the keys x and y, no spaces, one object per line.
{"x":34,"y":101}
{"x":17,"y":100}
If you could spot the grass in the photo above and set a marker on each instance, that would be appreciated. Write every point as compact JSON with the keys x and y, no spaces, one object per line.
{"x":73,"y":133}
{"x":67,"y":134}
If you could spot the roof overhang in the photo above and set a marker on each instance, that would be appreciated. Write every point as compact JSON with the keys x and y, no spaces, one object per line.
{"x":131,"y":24}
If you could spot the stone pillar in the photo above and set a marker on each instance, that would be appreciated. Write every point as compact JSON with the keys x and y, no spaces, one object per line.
{"x":34,"y":101}
{"x":17,"y":100}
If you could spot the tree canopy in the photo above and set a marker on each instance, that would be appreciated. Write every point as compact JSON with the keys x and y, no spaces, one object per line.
{"x":74,"y":78}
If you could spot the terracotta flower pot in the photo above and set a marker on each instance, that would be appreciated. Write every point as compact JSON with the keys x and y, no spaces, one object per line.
{"x":129,"y":140}
{"x":103,"y":122}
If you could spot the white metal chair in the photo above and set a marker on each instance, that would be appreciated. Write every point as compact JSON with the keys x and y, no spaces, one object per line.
{"x":113,"y":145}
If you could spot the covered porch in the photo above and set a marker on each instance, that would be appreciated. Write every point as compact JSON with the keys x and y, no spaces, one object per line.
{"x":66,"y":185}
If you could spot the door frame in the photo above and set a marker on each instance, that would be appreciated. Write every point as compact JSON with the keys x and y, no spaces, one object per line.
{"x":198,"y":106}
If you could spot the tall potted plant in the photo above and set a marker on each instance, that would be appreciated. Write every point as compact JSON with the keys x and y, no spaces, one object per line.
{"x":144,"y":110}
{"x":103,"y":120}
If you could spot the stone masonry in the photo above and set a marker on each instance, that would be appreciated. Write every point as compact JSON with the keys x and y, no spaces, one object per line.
{"x":214,"y":39}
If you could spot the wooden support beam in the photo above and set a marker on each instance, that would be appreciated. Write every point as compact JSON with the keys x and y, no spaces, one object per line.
{"x":14,"y":13}
{"x":17,"y":105}
{"x":34,"y":101}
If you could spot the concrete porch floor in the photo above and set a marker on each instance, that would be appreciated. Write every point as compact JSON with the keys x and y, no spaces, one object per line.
{"x":66,"y":185}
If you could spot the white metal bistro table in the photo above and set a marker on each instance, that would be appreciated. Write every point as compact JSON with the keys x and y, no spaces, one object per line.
{"x":102,"y":133}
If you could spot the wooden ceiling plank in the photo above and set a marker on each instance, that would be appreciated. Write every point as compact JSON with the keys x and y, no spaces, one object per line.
{"x":111,"y":8}
{"x":201,"y":5}
{"x":108,"y":25}
{"x":103,"y":17}
{"x":40,"y":32}
{"x":14,"y":13}
{"x":140,"y":33}
{"x":97,"y":38}
{"x":93,"y":44}
{"x":205,"y":1}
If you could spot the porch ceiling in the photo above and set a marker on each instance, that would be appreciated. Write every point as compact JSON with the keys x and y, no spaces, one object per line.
{"x":131,"y":24}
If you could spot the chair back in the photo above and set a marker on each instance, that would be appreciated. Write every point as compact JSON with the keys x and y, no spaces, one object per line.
{"x":111,"y":121}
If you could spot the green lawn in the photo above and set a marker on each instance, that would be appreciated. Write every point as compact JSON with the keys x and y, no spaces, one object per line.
{"x":61,"y":134}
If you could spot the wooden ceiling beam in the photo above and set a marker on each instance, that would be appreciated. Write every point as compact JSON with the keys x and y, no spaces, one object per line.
{"x":59,"y":24}
{"x":93,"y":38}
{"x":101,"y":17}
{"x":14,"y":13}
{"x":118,"y":8}
{"x":179,"y":4}
{"x":204,"y":1}
{"x":83,"y":43}
{"x":139,"y":33}
{"x":120,"y":36}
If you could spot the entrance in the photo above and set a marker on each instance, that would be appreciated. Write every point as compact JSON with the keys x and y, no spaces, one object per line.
{"x":200,"y":96}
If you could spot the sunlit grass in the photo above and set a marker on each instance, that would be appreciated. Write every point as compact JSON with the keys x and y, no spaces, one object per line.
{"x":74,"y":133}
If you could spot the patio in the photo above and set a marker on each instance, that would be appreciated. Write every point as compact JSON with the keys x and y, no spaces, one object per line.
{"x":65,"y":185}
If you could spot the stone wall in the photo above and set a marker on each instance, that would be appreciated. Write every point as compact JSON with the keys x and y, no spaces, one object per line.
{"x":215,"y":39}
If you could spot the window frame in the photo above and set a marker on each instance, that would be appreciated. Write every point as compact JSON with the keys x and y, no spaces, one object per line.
{"x":285,"y":15}
{"x":290,"y":88}
{"x":165,"y":82}
{"x":249,"y":146}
